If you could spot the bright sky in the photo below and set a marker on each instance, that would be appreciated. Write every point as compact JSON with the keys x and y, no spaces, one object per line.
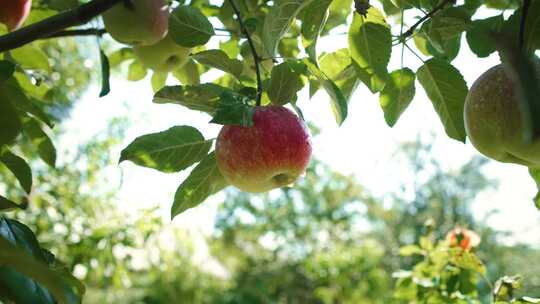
{"x":364,"y":145}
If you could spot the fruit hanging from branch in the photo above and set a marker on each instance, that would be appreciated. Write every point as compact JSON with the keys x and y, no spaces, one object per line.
{"x":13,"y":13}
{"x":273,"y":153}
{"x":464,"y":238}
{"x":163,"y":56}
{"x":494,"y":121}
{"x":138,"y":22}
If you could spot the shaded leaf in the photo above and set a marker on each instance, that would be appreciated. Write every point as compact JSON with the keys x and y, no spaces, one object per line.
{"x":233,"y":110}
{"x":204,"y":97}
{"x":18,"y":167}
{"x":467,"y":260}
{"x":7,"y":205}
{"x":370,"y":45}
{"x":40,"y":140}
{"x":10,"y":124}
{"x":447,"y":90}
{"x":397,"y":94}
{"x":285,"y":82}
{"x":7,"y":68}
{"x":219,"y":60}
{"x":480,"y":35}
{"x":204,"y":180}
{"x":313,"y":18}
{"x":105,"y":74}
{"x":169,"y":151}
{"x":188,"y":27}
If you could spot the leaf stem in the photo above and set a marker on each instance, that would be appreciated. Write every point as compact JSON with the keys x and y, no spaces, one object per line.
{"x":524,"y":13}
{"x":256,"y":57}
{"x":49,"y":26}
{"x":430,"y":14}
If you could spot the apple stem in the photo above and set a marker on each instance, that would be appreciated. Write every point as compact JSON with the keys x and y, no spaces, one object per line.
{"x":524,"y":12}
{"x":54,"y":24}
{"x":256,"y":57}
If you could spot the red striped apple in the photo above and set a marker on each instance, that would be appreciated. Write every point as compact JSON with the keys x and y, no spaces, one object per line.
{"x":273,"y":153}
{"x":463,"y":238}
{"x":138,"y":22}
{"x":13,"y":13}
{"x":493,"y":119}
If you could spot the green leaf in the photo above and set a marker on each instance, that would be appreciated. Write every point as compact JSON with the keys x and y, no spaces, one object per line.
{"x":7,"y":68}
{"x":18,"y":167}
{"x":338,"y":100}
{"x":535,"y":174}
{"x":466,"y":260}
{"x":397,"y":94}
{"x":338,"y":13}
{"x":31,"y":57}
{"x":136,"y":71}
{"x":10,"y":124}
{"x":313,"y":19}
{"x":45,"y":148}
{"x":278,"y":21}
{"x":169,"y":151}
{"x":7,"y":205}
{"x":447,"y":90}
{"x":12,"y":91}
{"x":233,"y":110}
{"x":204,"y":180}
{"x":411,"y":250}
{"x":188,"y":27}
{"x":120,"y":55}
{"x":204,"y":97}
{"x":105,"y":74}
{"x":370,"y":45}
{"x":219,"y":60}
{"x":159,"y":79}
{"x":479,"y":35}
{"x":338,"y":67}
{"x":188,"y":74}
{"x":285,"y":82}
{"x":26,"y":268}
{"x":532,"y":27}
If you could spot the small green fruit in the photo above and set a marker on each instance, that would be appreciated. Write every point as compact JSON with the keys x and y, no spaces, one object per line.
{"x":144,"y":22}
{"x":164,"y":56}
{"x":493,"y":119}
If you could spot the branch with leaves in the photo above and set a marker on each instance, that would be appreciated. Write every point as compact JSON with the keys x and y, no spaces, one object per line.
{"x":57,"y":23}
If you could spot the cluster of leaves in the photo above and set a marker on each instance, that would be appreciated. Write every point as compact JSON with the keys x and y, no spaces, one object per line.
{"x":450,"y":275}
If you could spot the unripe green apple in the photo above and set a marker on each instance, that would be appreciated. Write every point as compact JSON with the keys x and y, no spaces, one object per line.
{"x":273,"y":153}
{"x":493,"y":119}
{"x":163,"y":56}
{"x":143,"y":22}
{"x":13,"y":13}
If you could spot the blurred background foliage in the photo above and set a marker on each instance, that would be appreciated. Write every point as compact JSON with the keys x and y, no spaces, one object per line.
{"x":328,"y":240}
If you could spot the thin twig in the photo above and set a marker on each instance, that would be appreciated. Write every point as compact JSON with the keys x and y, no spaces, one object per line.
{"x":524,"y":13}
{"x":47,"y":27}
{"x":256,"y":57}
{"x":82,"y":32}
{"x":435,"y":10}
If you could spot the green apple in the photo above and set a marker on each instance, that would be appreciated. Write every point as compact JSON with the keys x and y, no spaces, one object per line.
{"x":273,"y":153}
{"x":493,"y":119}
{"x":13,"y":13}
{"x":164,"y":56}
{"x":138,"y":22}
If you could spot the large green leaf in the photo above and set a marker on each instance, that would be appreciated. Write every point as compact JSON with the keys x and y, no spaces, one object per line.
{"x":219,"y":60}
{"x":338,"y":101}
{"x":204,"y":97}
{"x":27,"y":270}
{"x":397,"y":94}
{"x":278,"y":21}
{"x":480,"y":35}
{"x":313,"y":18}
{"x":532,"y":27}
{"x":447,"y":90}
{"x":188,"y":27}
{"x":10,"y":124}
{"x":45,"y":148}
{"x":370,"y":45}
{"x":169,"y":151}
{"x":204,"y":180}
{"x":18,"y":167}
{"x":7,"y":205}
{"x":285,"y":82}
{"x":338,"y":67}
{"x":31,"y":57}
{"x":7,"y":68}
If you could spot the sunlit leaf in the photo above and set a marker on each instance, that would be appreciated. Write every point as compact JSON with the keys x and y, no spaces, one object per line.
{"x":219,"y":60}
{"x":397,"y":94}
{"x":204,"y":97}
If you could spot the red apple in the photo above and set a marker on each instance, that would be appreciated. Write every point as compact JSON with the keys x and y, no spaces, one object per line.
{"x":463,"y":238}
{"x":13,"y":13}
{"x":273,"y":153}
